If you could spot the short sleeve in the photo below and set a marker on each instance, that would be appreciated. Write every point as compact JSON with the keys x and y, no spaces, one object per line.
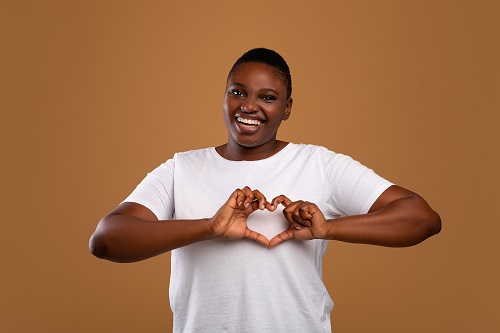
{"x":156,"y":191}
{"x":353,"y":187}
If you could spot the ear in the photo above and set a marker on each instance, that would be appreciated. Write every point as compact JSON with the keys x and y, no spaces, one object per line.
{"x":288,"y":109}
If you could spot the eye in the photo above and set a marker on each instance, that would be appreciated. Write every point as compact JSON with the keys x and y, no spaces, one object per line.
{"x":237,"y":92}
{"x":268,"y":98}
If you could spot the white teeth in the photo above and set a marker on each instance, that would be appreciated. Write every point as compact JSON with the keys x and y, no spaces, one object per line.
{"x":248,"y":121}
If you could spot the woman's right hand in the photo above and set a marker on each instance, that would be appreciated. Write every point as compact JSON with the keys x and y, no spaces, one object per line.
{"x":230,"y":221}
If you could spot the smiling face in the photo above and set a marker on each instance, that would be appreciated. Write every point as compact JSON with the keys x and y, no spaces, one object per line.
{"x":254,"y":106}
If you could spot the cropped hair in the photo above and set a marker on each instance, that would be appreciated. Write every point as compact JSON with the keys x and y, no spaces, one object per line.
{"x":270,"y":58}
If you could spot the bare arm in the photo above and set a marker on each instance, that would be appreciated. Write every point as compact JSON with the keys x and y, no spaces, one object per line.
{"x":132,"y":232}
{"x":397,"y":218}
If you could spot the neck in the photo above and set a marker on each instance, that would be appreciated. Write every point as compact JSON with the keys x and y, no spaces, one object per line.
{"x":235,"y":152}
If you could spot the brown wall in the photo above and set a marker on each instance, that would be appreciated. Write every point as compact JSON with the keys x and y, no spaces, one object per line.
{"x":94,"y":94}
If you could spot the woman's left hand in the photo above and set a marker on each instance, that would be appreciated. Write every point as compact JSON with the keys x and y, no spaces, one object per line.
{"x":306,"y":221}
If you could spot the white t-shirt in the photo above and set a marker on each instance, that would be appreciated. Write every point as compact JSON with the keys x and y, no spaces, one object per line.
{"x":242,"y":286}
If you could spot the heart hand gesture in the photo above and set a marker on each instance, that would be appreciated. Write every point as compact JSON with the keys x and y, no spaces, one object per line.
{"x":230,"y":221}
{"x":306,"y":221}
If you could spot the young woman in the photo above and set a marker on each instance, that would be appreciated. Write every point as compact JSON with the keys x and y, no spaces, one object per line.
{"x":248,"y":222}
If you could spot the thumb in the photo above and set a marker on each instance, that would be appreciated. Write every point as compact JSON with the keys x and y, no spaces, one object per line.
{"x":254,"y":235}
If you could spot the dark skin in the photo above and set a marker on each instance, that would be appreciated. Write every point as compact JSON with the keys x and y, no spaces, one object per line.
{"x":254,"y":92}
{"x":254,"y":106}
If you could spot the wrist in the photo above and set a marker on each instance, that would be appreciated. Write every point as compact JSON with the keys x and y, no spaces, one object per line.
{"x":331,"y":230}
{"x":209,"y":229}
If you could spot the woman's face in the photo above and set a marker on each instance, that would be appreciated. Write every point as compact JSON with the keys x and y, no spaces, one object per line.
{"x":254,"y":105}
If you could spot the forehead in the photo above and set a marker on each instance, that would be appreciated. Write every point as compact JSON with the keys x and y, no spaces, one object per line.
{"x":257,"y":74}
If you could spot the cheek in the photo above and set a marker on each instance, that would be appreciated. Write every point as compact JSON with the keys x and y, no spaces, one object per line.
{"x":225,"y":107}
{"x":229,"y":104}
{"x":277,"y":114}
{"x":227,"y":113}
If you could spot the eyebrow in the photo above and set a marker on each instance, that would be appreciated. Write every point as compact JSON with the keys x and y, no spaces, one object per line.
{"x":261,"y":90}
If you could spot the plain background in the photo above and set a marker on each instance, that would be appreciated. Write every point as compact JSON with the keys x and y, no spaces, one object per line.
{"x":95,"y":94}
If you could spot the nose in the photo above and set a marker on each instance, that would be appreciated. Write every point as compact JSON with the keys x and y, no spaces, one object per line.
{"x":249,"y":105}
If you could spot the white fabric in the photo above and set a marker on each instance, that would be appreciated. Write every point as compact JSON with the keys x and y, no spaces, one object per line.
{"x":242,"y":286}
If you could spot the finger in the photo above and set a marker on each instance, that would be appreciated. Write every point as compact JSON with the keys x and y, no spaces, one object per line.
{"x":280,"y":199}
{"x":299,"y":222}
{"x":282,"y":237}
{"x":240,"y":197}
{"x":307,"y":212}
{"x":297,"y":217}
{"x":295,"y":221}
{"x":249,"y":196}
{"x":291,"y":215}
{"x":260,"y":198}
{"x":254,"y":205}
{"x":253,"y":235}
{"x":270,"y":207}
{"x":302,"y":214}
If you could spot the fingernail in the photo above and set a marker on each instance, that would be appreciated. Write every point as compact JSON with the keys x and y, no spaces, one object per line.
{"x":298,"y":227}
{"x":247,"y":204}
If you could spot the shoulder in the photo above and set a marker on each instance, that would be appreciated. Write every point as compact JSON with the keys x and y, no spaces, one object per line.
{"x":311,"y":151}
{"x":322,"y":157}
{"x":195,"y":154}
{"x":182,"y":158}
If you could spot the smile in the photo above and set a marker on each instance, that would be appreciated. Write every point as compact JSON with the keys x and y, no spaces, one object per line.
{"x":254,"y":122}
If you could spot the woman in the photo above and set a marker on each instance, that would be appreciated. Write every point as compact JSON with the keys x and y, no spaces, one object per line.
{"x":210,"y":208}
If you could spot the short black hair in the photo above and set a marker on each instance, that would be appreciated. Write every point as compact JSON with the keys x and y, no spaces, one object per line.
{"x":270,"y":58}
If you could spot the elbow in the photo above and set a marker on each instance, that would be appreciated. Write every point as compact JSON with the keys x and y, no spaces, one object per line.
{"x":427,"y":225}
{"x":435,"y":223}
{"x":97,"y":246}
{"x":432,"y":225}
{"x":428,"y":220}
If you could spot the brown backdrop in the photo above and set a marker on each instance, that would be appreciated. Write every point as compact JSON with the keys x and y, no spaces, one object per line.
{"x":94,"y":94}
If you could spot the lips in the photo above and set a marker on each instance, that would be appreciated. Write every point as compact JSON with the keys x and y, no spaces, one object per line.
{"x":247,"y":121}
{"x":247,"y":125}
